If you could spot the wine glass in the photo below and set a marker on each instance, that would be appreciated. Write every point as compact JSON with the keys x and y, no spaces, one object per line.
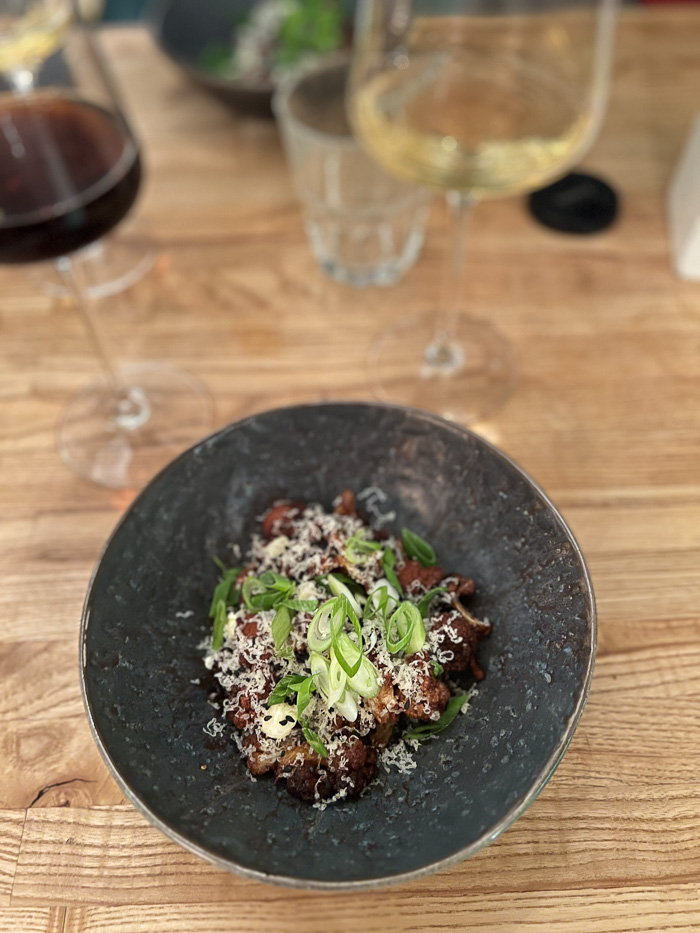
{"x":70,"y":170}
{"x":31,"y":37}
{"x":480,"y":99}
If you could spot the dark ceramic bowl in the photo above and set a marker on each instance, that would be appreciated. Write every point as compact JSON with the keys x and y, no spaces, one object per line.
{"x":146,"y":615}
{"x":186,"y":29}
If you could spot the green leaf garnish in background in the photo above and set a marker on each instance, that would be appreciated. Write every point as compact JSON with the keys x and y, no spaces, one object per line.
{"x":312,"y":26}
{"x":427,"y":729}
{"x":418,"y":548}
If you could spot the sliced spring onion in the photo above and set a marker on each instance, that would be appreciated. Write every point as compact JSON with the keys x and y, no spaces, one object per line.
{"x":425,"y":601}
{"x":281,"y":628}
{"x":337,"y":679}
{"x":220,"y":617}
{"x":320,"y":630}
{"x":320,"y":671}
{"x":346,"y":611}
{"x":366,"y":680}
{"x":338,"y":588}
{"x":418,"y":548}
{"x":313,"y":740}
{"x":388,"y":562}
{"x":383,"y":598}
{"x":417,"y":639}
{"x":286,"y":686}
{"x":347,"y":706}
{"x":358,"y":550}
{"x":434,"y":728}
{"x":400,"y":625}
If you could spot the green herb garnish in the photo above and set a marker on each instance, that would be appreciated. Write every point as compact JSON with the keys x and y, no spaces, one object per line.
{"x":358,"y":550}
{"x":273,"y":591}
{"x":224,"y":588}
{"x":304,"y":691}
{"x":281,"y":628}
{"x":418,"y":548}
{"x":388,"y":562}
{"x":438,"y":669}
{"x":313,"y":740}
{"x":427,"y":729}
{"x":284,"y":688}
{"x":220,"y":617}
{"x":425,"y":601}
{"x":313,"y":26}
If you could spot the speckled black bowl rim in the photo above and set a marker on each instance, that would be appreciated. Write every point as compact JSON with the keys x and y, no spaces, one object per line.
{"x":401,"y":878}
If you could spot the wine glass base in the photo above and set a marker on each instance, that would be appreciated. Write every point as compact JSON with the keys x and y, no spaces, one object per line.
{"x":466,"y":380}
{"x":106,"y":267}
{"x":123,"y":440}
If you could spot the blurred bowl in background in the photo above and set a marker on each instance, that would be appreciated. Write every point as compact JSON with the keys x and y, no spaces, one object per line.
{"x":195,"y":34}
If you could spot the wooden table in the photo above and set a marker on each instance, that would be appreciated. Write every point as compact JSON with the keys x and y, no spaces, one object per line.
{"x":607,"y":418}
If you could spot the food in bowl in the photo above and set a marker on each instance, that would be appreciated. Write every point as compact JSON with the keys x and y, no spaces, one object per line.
{"x":276,"y":35}
{"x":336,"y":647}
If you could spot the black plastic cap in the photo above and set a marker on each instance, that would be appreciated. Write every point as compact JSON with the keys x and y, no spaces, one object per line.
{"x":576,"y":203}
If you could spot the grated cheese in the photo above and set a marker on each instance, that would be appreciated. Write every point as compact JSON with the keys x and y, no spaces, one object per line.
{"x":247,"y":665}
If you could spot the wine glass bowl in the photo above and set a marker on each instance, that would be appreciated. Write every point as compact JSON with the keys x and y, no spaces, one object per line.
{"x":480,"y":101}
{"x":29,"y":33}
{"x":70,"y":172}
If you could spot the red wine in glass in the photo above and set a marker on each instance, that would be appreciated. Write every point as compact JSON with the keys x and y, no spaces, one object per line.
{"x":69,"y":172}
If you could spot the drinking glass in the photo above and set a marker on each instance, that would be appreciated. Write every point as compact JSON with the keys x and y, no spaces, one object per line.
{"x":365,"y":227}
{"x":480,"y":99}
{"x":70,"y":170}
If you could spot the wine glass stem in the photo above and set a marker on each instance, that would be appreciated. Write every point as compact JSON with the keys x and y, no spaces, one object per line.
{"x":444,"y":352}
{"x":131,"y":406}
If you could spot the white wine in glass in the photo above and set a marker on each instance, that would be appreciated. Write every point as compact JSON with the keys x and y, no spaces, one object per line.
{"x":29,"y":34}
{"x":479,"y":99}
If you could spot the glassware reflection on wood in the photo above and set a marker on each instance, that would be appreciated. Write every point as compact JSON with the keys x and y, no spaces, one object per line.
{"x":479,"y":100}
{"x":70,"y":171}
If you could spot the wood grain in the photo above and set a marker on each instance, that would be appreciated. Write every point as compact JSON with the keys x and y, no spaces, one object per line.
{"x":636,"y":910}
{"x":612,"y":777}
{"x":11,"y":827}
{"x":606,"y":418}
{"x":33,"y":920}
